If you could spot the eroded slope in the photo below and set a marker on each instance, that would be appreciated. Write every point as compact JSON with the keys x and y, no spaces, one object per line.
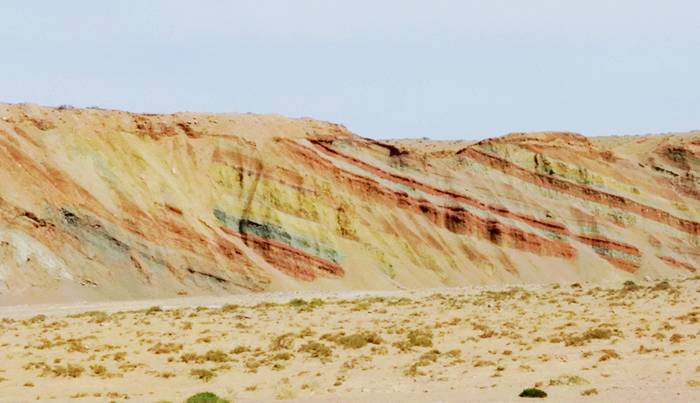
{"x":110,"y":204}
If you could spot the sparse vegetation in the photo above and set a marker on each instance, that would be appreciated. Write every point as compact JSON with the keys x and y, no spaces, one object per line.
{"x":435,"y":338}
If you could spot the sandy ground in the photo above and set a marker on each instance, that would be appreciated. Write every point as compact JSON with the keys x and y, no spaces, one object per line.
{"x":613,"y":342}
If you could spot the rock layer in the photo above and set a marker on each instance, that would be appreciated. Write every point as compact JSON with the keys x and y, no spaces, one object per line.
{"x":99,"y":204}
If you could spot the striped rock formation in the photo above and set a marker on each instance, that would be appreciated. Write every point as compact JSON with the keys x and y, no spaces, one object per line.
{"x":99,"y":204}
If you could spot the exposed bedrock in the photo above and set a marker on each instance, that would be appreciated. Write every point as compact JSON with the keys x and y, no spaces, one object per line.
{"x":98,"y":204}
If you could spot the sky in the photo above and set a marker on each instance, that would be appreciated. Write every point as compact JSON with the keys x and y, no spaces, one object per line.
{"x":385,"y":69}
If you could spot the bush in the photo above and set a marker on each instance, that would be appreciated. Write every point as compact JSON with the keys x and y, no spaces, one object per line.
{"x":533,"y":392}
{"x":152,"y":310}
{"x":165,"y":348}
{"x":630,"y":285}
{"x":216,"y":356}
{"x":93,"y":316}
{"x":70,"y":370}
{"x":599,"y":333}
{"x":305,"y":306}
{"x":205,"y":397}
{"x":283,"y":342}
{"x":316,"y":349}
{"x":662,"y":286}
{"x":422,"y":338}
{"x":568,"y":380}
{"x":98,"y":370}
{"x":229,"y":308}
{"x":589,"y":392}
{"x":359,"y":340}
{"x":355,"y":340}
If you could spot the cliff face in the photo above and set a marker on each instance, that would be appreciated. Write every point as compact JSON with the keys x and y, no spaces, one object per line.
{"x":109,"y":204}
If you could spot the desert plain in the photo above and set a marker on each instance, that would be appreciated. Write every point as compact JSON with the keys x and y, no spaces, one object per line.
{"x":635,"y":341}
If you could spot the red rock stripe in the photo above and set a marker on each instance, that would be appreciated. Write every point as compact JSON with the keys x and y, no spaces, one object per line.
{"x":581,"y":191}
{"x":454,"y":219}
{"x":602,"y":242}
{"x":502,"y":211}
{"x":293,"y":262}
{"x":675,"y":263}
{"x":537,"y":223}
{"x":563,"y":249}
{"x":625,"y":265}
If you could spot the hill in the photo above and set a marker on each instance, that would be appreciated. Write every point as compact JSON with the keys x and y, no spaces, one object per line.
{"x":101,"y":204}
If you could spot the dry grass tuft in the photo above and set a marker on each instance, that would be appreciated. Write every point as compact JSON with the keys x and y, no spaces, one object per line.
{"x":355,"y":340}
{"x":165,"y":348}
{"x":568,"y":380}
{"x":590,"y":392}
{"x":205,"y":375}
{"x":316,"y":350}
{"x":599,"y":333}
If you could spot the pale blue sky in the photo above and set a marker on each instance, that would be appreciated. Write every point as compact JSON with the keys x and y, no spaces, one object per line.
{"x":441,"y":69}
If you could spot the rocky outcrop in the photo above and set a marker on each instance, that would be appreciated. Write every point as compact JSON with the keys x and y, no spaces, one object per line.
{"x":98,"y":204}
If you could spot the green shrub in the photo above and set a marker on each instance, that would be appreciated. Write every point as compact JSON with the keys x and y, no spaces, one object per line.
{"x":533,"y":392}
{"x":205,"y":397}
